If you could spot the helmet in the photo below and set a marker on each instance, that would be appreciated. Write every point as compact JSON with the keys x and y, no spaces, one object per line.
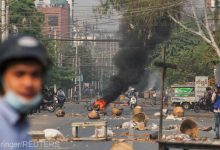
{"x":23,"y":47}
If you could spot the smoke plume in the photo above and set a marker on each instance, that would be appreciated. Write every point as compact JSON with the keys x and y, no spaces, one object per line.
{"x":131,"y":60}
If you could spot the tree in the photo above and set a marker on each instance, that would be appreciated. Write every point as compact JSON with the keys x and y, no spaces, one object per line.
{"x":24,"y":18}
{"x":204,"y":29}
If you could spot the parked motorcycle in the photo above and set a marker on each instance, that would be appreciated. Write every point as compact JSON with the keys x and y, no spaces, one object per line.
{"x":52,"y":105}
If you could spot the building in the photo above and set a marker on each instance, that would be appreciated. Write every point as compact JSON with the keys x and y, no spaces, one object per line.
{"x":57,"y":18}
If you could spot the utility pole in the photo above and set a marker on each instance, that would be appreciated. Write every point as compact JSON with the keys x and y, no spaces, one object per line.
{"x":80,"y":86}
{"x":163,"y":71}
{"x":3,"y":20}
{"x":164,"y":66}
{"x":55,"y":47}
{"x":7,"y":20}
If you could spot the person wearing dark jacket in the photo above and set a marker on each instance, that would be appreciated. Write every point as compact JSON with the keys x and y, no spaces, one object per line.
{"x":216,"y":109}
{"x":23,"y":63}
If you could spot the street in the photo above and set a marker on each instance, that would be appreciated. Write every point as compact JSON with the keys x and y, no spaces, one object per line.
{"x":47,"y":120}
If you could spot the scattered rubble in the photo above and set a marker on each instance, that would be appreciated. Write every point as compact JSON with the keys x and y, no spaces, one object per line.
{"x":207,"y":129}
{"x":117,"y":111}
{"x":75,"y":115}
{"x":171,"y":127}
{"x":172,"y":117}
{"x":60,"y":113}
{"x":127,"y":125}
{"x":177,"y":137}
{"x":154,"y":126}
{"x":121,"y":146}
{"x":178,"y":111}
{"x":190,"y":128}
{"x":100,"y":132}
{"x":157,"y":114}
{"x":137,"y":110}
{"x":93,"y":115}
{"x":53,"y":134}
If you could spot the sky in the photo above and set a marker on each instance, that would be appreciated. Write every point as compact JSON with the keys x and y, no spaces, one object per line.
{"x":83,"y":11}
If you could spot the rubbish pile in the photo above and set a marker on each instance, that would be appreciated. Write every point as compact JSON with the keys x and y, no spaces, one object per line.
{"x":60,"y":113}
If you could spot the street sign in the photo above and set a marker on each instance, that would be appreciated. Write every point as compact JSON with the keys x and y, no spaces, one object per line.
{"x":200,"y":86}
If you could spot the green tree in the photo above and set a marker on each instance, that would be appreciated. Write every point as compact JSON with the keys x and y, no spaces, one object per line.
{"x":25,"y":18}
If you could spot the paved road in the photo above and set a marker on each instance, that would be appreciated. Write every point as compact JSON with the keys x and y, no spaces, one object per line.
{"x":46,"y":120}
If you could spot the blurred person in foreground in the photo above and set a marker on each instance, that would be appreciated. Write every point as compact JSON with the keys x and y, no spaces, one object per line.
{"x":23,"y":63}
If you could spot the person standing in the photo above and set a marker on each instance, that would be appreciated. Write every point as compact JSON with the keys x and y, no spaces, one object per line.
{"x":208,"y":97}
{"x":216,"y":109}
{"x":23,"y":64}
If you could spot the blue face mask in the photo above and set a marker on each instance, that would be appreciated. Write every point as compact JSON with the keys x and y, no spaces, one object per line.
{"x":20,"y":104}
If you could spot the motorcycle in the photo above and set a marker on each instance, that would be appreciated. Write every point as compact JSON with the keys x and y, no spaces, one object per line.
{"x":200,"y":105}
{"x":51,"y":107}
{"x":133,"y":102}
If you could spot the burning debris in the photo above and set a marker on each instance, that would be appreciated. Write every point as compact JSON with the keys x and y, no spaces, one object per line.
{"x":133,"y":56}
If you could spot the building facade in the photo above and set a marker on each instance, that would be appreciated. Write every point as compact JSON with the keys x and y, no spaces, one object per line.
{"x":57,"y":18}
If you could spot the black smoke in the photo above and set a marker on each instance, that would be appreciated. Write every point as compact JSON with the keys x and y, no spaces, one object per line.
{"x":136,"y":45}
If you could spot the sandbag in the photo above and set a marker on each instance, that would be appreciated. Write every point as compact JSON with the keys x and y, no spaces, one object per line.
{"x":178,"y":111}
{"x":117,"y":111}
{"x":60,"y":113}
{"x":137,"y":110}
{"x":53,"y":134}
{"x":93,"y":115}
{"x":190,"y":128}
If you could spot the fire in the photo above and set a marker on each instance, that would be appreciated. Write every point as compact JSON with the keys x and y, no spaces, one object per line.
{"x":101,"y":103}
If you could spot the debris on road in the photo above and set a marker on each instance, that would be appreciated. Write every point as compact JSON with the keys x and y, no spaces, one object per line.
{"x":207,"y":129}
{"x":117,"y":111}
{"x":60,"y":113}
{"x":157,"y":114}
{"x":93,"y":115}
{"x":178,"y":111}
{"x":75,"y":115}
{"x":190,"y":128}
{"x":100,"y":132}
{"x":171,"y":127}
{"x":53,"y":134}
{"x":178,"y":137}
{"x":127,"y":125}
{"x":154,"y":126}
{"x":137,"y":110}
{"x":121,"y":146}
{"x":172,"y":117}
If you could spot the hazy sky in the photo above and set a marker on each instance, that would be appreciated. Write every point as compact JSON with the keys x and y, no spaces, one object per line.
{"x":83,"y":11}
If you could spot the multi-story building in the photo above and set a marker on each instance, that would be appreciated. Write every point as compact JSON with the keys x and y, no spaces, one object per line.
{"x":57,"y":17}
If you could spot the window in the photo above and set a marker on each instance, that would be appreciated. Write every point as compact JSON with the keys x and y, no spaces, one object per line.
{"x":53,"y":20}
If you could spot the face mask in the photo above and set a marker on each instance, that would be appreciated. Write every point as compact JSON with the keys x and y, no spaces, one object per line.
{"x":20,"y":104}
